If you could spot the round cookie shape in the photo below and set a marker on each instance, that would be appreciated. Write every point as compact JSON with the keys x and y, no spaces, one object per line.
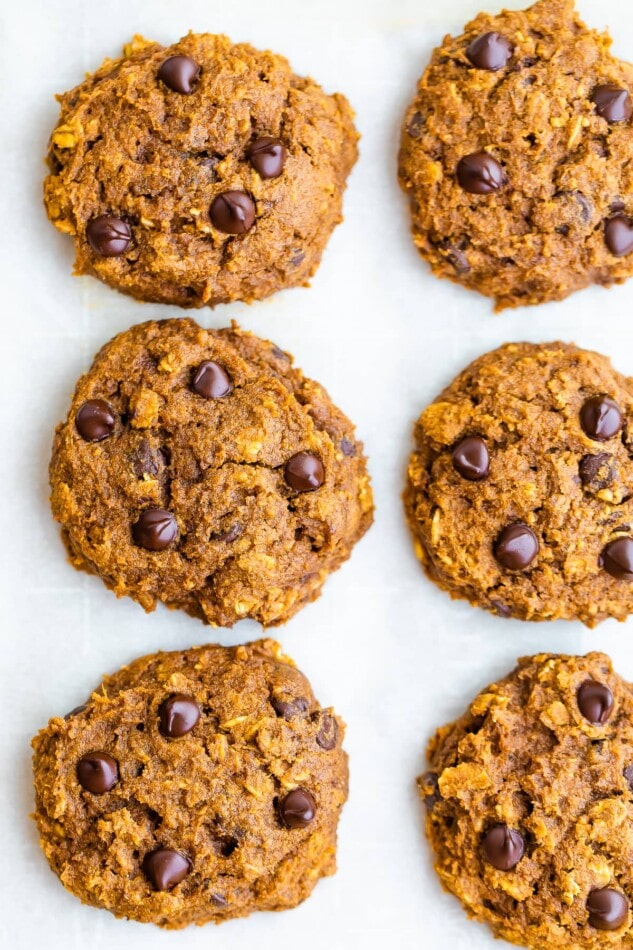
{"x":200,"y":173}
{"x":514,"y":157}
{"x":529,"y":810}
{"x":547,"y":533}
{"x":220,"y":480}
{"x":236,"y":815}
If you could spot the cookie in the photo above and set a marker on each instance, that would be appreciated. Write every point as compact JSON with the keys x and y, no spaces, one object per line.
{"x":529,"y":805}
{"x":192,"y":787}
{"x":515,"y":157}
{"x":200,"y":468}
{"x":199,"y":173}
{"x":519,"y":488}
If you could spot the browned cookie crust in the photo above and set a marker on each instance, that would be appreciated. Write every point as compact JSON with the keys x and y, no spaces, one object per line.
{"x":519,"y":488}
{"x":530,"y":805}
{"x":516,"y":153}
{"x":221,"y":760}
{"x":152,"y":140}
{"x":199,"y":468}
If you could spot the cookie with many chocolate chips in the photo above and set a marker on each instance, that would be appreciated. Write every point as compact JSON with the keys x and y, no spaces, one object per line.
{"x":529,"y":805}
{"x":193,"y":787}
{"x":515,"y":157}
{"x":201,"y":469}
{"x":199,"y":173}
{"x":519,"y":492}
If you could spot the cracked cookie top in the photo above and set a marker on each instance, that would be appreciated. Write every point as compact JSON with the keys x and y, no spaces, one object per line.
{"x":529,"y":800}
{"x":199,"y":173}
{"x":194,"y":786}
{"x":515,"y":157}
{"x":201,"y":469}
{"x":519,"y":488}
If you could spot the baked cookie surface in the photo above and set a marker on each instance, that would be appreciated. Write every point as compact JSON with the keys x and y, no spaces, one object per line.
{"x":199,"y":173}
{"x":515,"y":157}
{"x":199,"y":468}
{"x":519,"y":488}
{"x":193,"y":786}
{"x":529,"y":804}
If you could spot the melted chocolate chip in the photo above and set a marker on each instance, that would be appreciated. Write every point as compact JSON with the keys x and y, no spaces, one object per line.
{"x":490,"y":51}
{"x":155,"y":529}
{"x":503,"y":847}
{"x":97,"y":772}
{"x":180,"y":74}
{"x":95,"y":420}
{"x":471,"y":459}
{"x":228,"y":536}
{"x":612,"y":103}
{"x":516,"y":547}
{"x":144,"y":460}
{"x":297,"y":809}
{"x":178,"y":715}
{"x":233,"y":212}
{"x":608,"y":909}
{"x":601,"y":418}
{"x":628,"y":775}
{"x":109,"y":236}
{"x":429,"y":785}
{"x":595,"y":702}
{"x":304,"y":472}
{"x":597,"y":472}
{"x":288,"y":709}
{"x":165,"y":867}
{"x":617,"y":559}
{"x":267,"y":156}
{"x":458,"y":260}
{"x":481,"y":174}
{"x":211,"y":381}
{"x":327,"y":736}
{"x":415,"y":126}
{"x":347,"y":448}
{"x":618,"y":235}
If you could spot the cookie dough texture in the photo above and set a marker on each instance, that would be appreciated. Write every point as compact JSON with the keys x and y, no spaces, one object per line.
{"x":542,"y":236}
{"x":241,"y":541}
{"x":213,"y":794}
{"x":524,"y":402}
{"x":127,"y":145}
{"x":524,"y":756}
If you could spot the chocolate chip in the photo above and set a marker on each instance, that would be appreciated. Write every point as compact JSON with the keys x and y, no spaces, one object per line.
{"x":429,"y":785}
{"x":617,"y":559}
{"x":288,"y":709}
{"x":490,"y":51}
{"x":471,"y":459}
{"x":608,"y":908}
{"x":500,"y":609}
{"x":219,"y":901}
{"x":267,"y":156}
{"x":211,"y":381}
{"x":458,"y":260}
{"x":155,"y":529}
{"x":516,"y":547}
{"x":415,"y":126}
{"x":304,"y":472}
{"x":597,"y":472}
{"x":95,"y":420}
{"x":297,"y":809}
{"x":76,"y":711}
{"x":618,"y":235}
{"x":228,"y":536}
{"x":144,"y":460}
{"x":612,"y":103}
{"x":327,"y":736}
{"x":164,"y":868}
{"x":601,"y":418}
{"x":178,"y":715}
{"x":595,"y":702}
{"x":109,"y":236}
{"x":97,"y":772}
{"x":347,"y":448}
{"x":180,"y":74}
{"x":481,"y":174}
{"x":628,"y":775}
{"x":503,"y":847}
{"x":233,"y":212}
